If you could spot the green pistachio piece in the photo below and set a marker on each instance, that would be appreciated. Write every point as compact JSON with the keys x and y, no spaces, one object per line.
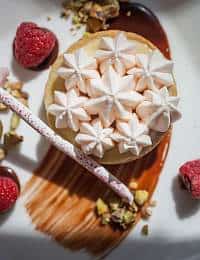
{"x":141,"y":197}
{"x":101,"y":207}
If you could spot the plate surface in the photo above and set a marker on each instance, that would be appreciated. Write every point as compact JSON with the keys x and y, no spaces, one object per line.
{"x":174,"y":226}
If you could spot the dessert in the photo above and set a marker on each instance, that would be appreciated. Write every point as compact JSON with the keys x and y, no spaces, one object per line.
{"x":126,"y":94}
{"x":9,"y":188}
{"x":34,"y":47}
{"x":190,"y":176}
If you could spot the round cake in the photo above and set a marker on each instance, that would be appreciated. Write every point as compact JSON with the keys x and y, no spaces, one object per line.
{"x":113,"y":95}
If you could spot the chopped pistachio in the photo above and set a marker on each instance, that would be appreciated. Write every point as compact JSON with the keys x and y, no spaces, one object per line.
{"x":133,"y":207}
{"x":12,"y":139}
{"x":128,"y":217}
{"x":1,"y":129}
{"x":146,"y":212}
{"x":105,"y":218}
{"x":145,"y":230}
{"x":117,"y":216}
{"x":114,"y":204}
{"x":153,"y":203}
{"x":49,"y":18}
{"x":3,"y":107}
{"x":141,"y":197}
{"x":133,"y":185}
{"x":75,"y":19}
{"x":14,"y":122}
{"x":2,"y":154}
{"x":101,"y":207}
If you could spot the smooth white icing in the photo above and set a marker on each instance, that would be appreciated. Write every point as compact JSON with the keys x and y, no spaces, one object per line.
{"x":94,"y":139}
{"x":118,"y":51}
{"x":153,"y":71}
{"x":159,"y":110}
{"x":113,"y":97}
{"x":131,"y":136}
{"x":68,"y":109}
{"x":79,"y":68}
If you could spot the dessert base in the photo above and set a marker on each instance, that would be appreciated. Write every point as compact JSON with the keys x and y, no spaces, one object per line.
{"x":90,"y":44}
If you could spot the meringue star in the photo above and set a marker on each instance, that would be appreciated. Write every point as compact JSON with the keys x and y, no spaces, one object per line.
{"x":117,"y":52}
{"x":132,"y":136}
{"x":94,"y":139}
{"x":159,"y":110}
{"x":68,"y":109}
{"x":113,"y":97}
{"x":79,"y":67}
{"x":153,"y":71}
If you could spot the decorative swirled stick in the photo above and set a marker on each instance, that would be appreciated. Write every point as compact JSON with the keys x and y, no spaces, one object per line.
{"x":66,"y":147}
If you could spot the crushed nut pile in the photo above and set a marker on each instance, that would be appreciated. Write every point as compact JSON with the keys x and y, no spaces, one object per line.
{"x":94,"y":14}
{"x":10,"y":139}
{"x":121,"y":215}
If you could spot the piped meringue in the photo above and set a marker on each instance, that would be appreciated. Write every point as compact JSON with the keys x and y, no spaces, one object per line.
{"x":113,"y":97}
{"x":94,"y":139}
{"x":79,"y":68}
{"x":131,"y":136}
{"x":68,"y":109}
{"x":153,"y":71}
{"x":159,"y":110}
{"x":118,"y":52}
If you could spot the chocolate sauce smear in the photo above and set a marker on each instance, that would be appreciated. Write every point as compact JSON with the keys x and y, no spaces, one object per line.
{"x":61,"y":195}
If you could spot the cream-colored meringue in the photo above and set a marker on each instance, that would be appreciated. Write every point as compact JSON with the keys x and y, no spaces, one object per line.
{"x":153,"y":71}
{"x":94,"y":139}
{"x":132,"y":136}
{"x":113,"y":97}
{"x":118,"y":52}
{"x":79,"y":67}
{"x":159,"y":110}
{"x":68,"y":109}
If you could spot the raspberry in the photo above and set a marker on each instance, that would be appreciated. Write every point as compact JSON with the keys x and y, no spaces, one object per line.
{"x":9,"y":192}
{"x":190,"y":175}
{"x":32,"y":44}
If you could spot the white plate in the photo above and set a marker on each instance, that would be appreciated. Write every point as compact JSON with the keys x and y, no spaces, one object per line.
{"x":174,"y":227}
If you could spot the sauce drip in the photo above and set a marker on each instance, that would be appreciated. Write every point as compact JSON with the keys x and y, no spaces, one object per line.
{"x":61,"y":196}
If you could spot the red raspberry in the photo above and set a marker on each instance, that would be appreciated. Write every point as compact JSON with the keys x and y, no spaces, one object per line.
{"x":9,"y":192}
{"x":190,"y":175}
{"x":32,"y":44}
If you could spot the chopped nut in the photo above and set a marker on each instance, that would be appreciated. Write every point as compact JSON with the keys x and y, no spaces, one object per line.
{"x":93,"y":25}
{"x":114,"y":204}
{"x":3,"y":107}
{"x":49,"y":18}
{"x":65,"y":14}
{"x":129,"y":217}
{"x":133,"y":185}
{"x":153,"y":203}
{"x":75,"y":20}
{"x":2,"y":154}
{"x":141,"y":197}
{"x":133,"y":207}
{"x":145,"y":230}
{"x":105,"y":219}
{"x":146,"y":212}
{"x":12,"y":139}
{"x":128,"y":13}
{"x":117,"y":216}
{"x":101,"y":207}
{"x":13,"y":85}
{"x":14,"y":122}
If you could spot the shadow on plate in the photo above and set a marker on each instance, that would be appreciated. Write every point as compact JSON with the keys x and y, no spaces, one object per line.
{"x":184,"y":204}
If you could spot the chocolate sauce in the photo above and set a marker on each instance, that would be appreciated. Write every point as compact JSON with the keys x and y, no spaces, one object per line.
{"x":144,"y":22}
{"x":10,"y":173}
{"x":69,"y":192}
